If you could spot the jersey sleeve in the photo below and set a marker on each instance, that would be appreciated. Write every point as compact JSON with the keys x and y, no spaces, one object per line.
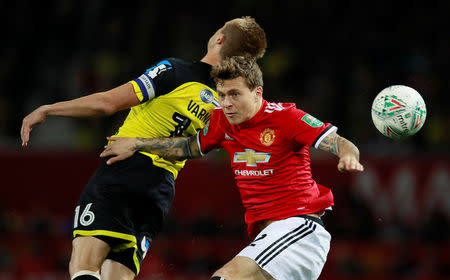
{"x":210,"y":136}
{"x":155,"y":81}
{"x":306,"y":129}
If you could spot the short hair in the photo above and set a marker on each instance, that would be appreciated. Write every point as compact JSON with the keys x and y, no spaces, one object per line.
{"x":238,"y":66}
{"x":244,"y":38}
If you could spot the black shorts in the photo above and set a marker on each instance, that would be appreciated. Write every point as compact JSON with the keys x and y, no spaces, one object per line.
{"x":125,"y":204}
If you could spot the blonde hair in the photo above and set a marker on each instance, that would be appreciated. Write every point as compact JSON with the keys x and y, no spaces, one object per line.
{"x":238,"y":66}
{"x":244,"y":38}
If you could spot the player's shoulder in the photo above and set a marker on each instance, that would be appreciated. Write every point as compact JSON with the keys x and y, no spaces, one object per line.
{"x":168,"y":63}
{"x":218,"y":115}
{"x":191,"y":65}
{"x":191,"y":71}
{"x":172,"y":63}
{"x":283,"y":113}
{"x":175,"y":61}
{"x":218,"y":112}
{"x":279,"y":108}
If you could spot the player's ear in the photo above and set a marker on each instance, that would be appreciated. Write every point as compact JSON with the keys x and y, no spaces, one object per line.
{"x":259,"y":91}
{"x":220,"y":39}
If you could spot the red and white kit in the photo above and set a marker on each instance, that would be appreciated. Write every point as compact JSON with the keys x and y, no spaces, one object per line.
{"x":271,"y":160}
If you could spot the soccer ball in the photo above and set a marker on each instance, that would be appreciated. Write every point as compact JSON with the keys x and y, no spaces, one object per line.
{"x":398,"y":111}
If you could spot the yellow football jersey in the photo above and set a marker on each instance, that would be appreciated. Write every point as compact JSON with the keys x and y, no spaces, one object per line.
{"x":177,"y":99}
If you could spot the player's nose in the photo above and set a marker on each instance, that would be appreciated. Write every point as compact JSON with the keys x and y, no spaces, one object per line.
{"x":226,"y":102}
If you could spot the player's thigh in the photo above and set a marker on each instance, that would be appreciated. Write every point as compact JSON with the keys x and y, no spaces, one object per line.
{"x":88,"y":253}
{"x":242,"y":268}
{"x":125,"y":205}
{"x":293,"y":248}
{"x":113,"y":270}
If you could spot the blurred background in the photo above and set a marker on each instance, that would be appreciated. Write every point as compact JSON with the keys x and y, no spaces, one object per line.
{"x":329,"y":57}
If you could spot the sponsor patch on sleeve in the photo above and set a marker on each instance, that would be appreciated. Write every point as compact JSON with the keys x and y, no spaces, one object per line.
{"x":205,"y":129}
{"x":159,"y":68}
{"x":312,"y":121}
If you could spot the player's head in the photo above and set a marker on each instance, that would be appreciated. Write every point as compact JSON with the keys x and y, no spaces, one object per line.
{"x":239,"y":37}
{"x":239,"y":84}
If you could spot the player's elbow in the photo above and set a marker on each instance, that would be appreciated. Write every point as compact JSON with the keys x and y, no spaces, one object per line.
{"x":105,"y":105}
{"x":108,"y":109}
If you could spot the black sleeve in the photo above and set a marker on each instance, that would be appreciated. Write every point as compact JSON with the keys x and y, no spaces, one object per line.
{"x":157,"y":80}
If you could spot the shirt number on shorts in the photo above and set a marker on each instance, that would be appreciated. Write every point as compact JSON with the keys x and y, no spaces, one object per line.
{"x":86,"y":218}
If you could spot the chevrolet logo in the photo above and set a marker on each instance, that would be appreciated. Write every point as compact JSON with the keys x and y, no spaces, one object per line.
{"x":251,"y":158}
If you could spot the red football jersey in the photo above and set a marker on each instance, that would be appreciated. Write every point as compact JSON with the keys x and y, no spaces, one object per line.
{"x":271,"y":161}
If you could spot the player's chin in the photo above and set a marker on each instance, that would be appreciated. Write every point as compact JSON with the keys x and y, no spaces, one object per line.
{"x":233,"y":120}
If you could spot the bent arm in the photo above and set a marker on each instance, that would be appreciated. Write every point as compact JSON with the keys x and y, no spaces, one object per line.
{"x":177,"y":148}
{"x":347,"y":152}
{"x":93,"y":105}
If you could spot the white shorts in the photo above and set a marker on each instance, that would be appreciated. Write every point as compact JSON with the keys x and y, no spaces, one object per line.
{"x":293,"y":248}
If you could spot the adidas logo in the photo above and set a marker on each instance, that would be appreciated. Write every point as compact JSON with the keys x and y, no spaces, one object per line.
{"x":228,"y":137}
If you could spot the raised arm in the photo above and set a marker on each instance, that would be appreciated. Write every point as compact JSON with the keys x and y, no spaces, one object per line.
{"x":347,"y":152}
{"x":176,"y":148}
{"x":93,"y":105}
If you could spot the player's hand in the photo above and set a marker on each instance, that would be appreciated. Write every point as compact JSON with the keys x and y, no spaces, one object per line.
{"x":120,"y":148}
{"x":34,"y":118}
{"x":349,"y":164}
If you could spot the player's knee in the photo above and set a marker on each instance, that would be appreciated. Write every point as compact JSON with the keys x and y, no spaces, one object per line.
{"x":88,"y":253}
{"x":86,"y":275}
{"x":77,"y":265}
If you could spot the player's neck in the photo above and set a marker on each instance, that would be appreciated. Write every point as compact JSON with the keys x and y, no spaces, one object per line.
{"x":250,"y":117}
{"x":211,"y":59}
{"x":258,"y":105}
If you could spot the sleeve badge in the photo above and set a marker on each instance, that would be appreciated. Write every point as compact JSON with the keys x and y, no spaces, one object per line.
{"x":312,"y":121}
